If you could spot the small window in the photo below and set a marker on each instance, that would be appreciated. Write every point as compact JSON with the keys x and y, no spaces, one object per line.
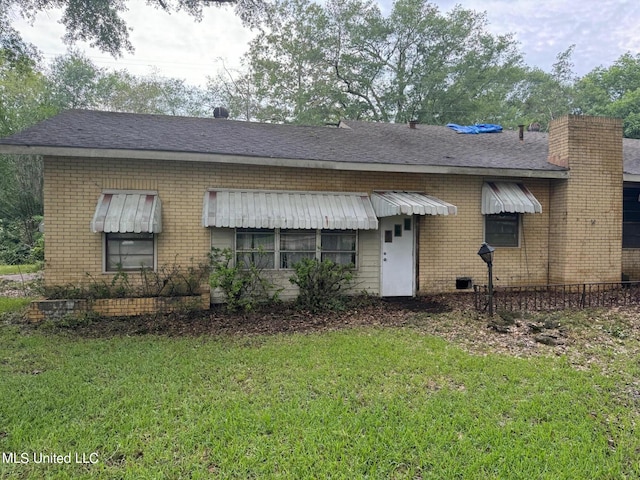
{"x":502,"y":230}
{"x":129,"y":251}
{"x":255,"y":247}
{"x":407,"y":224}
{"x":631,"y":217}
{"x":397,"y":230}
{"x":339,"y":246}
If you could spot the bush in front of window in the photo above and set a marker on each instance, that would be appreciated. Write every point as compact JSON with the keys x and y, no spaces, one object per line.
{"x":244,"y":284}
{"x":322,"y":284}
{"x":168,"y":281}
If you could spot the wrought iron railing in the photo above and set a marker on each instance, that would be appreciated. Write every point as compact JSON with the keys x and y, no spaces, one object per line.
{"x":558,"y":297}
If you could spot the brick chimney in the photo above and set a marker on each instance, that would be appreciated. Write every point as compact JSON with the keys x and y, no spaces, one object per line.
{"x":585,"y":232}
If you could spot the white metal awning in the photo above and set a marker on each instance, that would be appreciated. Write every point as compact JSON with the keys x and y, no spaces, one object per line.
{"x":510,"y":197}
{"x":280,"y":209}
{"x":387,"y":204}
{"x":127,"y":212}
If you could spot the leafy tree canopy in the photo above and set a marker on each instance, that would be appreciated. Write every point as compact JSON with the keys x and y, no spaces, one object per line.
{"x":613,"y":91}
{"x":344,"y":58}
{"x":100,"y":22}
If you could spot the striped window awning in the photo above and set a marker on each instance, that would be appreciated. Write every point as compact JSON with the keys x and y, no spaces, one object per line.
{"x":127,"y":212}
{"x":387,"y":204}
{"x":508,"y":197}
{"x":283,"y":209}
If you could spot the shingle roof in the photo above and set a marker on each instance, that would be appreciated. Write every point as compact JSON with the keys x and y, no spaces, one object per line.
{"x":361,"y":143}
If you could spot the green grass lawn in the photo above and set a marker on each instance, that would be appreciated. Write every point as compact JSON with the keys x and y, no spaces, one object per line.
{"x":360,"y":403}
{"x":17,"y":269}
{"x":13,"y":304}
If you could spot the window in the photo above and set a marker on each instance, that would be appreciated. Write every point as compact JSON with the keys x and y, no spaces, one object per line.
{"x":296,"y":245}
{"x":255,"y":247}
{"x":284,"y":248}
{"x":502,"y":230}
{"x":631,"y":217}
{"x":338,"y":246}
{"x":129,"y":251}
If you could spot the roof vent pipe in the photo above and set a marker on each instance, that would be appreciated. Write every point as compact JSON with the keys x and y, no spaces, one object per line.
{"x":521,"y":132}
{"x":220,"y":112}
{"x":412,"y":124}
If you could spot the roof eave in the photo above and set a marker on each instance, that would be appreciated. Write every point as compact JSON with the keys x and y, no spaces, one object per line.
{"x":164,"y":155}
{"x":631,"y":177}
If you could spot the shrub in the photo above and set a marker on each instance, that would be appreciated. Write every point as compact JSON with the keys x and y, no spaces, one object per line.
{"x":245,"y":287}
{"x":20,"y":241}
{"x":168,"y":281}
{"x":322,"y":284}
{"x":174,"y":280}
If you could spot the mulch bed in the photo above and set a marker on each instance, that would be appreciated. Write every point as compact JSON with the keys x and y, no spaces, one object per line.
{"x":283,"y":318}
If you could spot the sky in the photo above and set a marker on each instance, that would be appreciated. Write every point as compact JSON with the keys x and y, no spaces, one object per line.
{"x":176,"y":46}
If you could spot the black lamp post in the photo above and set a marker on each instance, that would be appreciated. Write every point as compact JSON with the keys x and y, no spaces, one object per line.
{"x":486,"y":254}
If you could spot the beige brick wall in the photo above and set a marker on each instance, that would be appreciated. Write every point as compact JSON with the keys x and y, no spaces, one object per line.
{"x":448,"y":245}
{"x":586,"y":210}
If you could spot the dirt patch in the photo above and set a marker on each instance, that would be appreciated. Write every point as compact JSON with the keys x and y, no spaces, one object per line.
{"x":24,"y":285}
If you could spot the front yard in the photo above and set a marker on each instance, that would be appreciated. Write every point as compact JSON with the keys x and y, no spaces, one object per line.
{"x":384,"y":390}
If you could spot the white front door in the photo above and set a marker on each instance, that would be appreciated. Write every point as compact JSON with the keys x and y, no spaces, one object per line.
{"x":398,"y":264}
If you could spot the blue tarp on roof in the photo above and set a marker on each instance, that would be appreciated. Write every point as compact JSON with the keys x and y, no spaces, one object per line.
{"x":477,"y":128}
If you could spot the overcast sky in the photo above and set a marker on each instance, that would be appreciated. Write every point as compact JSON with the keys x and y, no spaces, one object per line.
{"x":178,"y":47}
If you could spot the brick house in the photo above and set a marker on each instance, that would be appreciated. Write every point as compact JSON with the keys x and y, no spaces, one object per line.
{"x":408,"y":205}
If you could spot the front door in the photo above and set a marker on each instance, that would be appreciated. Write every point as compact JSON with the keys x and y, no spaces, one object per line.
{"x":398,"y":264}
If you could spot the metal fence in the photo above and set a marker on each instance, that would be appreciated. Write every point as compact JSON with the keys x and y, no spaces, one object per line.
{"x":558,"y":297}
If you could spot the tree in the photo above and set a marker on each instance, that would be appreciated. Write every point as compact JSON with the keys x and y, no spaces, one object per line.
{"x":123,"y":92}
{"x":75,"y":81}
{"x":613,"y":91}
{"x":541,"y":96}
{"x":100,"y":23}
{"x":288,"y":71}
{"x":25,"y":100}
{"x":315,"y":63}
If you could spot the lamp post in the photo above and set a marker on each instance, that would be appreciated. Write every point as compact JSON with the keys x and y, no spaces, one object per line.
{"x":486,"y":254}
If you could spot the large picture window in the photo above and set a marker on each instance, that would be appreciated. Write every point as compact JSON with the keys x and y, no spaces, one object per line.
{"x":284,"y":248}
{"x":502,"y":230}
{"x":129,"y":251}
